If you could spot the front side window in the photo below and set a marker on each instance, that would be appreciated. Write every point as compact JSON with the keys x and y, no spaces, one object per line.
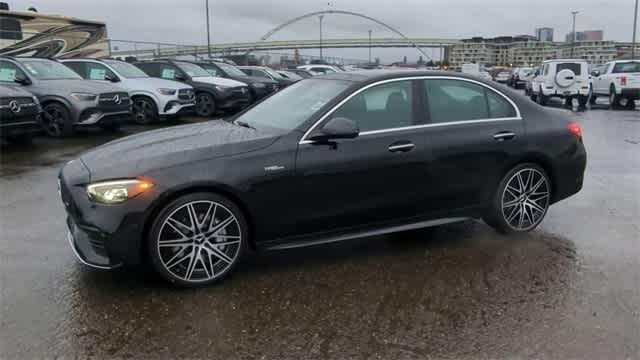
{"x":169,"y":72}
{"x":291,"y":107}
{"x":98,"y":72}
{"x":230,"y":69}
{"x":212,"y":70}
{"x":627,"y":67}
{"x":8,"y":71}
{"x":381,"y":107}
{"x":49,"y":70}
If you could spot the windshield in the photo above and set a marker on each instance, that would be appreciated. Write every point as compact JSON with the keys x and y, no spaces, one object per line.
{"x":192,"y":70}
{"x":273,"y":73}
{"x":127,"y":70}
{"x":230,"y":69}
{"x":292,"y":106}
{"x":627,"y":67}
{"x":49,"y":70}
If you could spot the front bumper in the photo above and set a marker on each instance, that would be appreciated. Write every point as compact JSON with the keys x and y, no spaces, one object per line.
{"x":19,"y":126}
{"x":94,"y":116}
{"x":175,"y":107}
{"x":88,"y":246}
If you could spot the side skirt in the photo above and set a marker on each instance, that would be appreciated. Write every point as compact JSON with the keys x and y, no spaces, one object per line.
{"x":304,"y":242}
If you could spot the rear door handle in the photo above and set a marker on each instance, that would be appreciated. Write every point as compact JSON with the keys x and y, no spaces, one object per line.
{"x":504,"y":135}
{"x":401,"y":146}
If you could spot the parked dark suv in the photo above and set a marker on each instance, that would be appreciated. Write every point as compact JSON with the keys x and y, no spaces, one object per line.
{"x":259,"y":87}
{"x":67,"y":99}
{"x":212,"y":93}
{"x":19,"y":114}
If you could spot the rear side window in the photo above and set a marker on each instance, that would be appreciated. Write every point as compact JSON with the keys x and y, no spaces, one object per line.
{"x":149,"y":68}
{"x":457,"y":100}
{"x":629,"y":67}
{"x":575,"y":67}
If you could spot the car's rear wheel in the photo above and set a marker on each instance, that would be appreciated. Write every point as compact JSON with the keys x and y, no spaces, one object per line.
{"x":542,"y":99}
{"x":197,"y":239}
{"x":205,"y":105}
{"x":631,"y":104}
{"x":144,"y":111}
{"x":521,"y":201}
{"x":56,"y":120}
{"x":614,"y":99}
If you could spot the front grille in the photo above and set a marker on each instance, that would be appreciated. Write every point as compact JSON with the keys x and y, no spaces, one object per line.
{"x":17,"y":109}
{"x":114,"y":100}
{"x":186,"y":94}
{"x":20,"y":100}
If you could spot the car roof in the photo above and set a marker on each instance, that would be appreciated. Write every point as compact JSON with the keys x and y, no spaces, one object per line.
{"x":564,"y":60}
{"x":379,"y":75}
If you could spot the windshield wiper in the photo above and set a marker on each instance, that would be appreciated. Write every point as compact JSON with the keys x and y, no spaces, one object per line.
{"x":244,"y":124}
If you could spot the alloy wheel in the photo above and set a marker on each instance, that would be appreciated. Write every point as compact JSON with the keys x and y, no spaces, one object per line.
{"x":205,"y":105}
{"x":54,"y":121}
{"x":199,"y":241}
{"x":525,"y":199}
{"x":143,"y":111}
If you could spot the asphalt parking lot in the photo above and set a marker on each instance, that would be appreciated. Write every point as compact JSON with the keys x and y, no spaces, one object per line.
{"x":570,"y":289}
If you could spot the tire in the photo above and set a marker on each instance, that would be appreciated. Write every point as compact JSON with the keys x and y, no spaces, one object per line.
{"x":592,"y":98}
{"x":145,"y":110}
{"x":533,"y":96}
{"x":56,"y":120}
{"x":526,"y":187}
{"x":614,"y":99}
{"x":631,"y":104}
{"x":542,"y":99}
{"x":197,"y":259}
{"x":583,"y":100}
{"x":205,"y":104}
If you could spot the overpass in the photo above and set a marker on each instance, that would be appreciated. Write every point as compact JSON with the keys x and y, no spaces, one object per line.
{"x":269,"y":45}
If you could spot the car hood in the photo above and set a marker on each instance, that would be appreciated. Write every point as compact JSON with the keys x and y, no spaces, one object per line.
{"x":13,"y":91}
{"x":218,"y":81}
{"x":254,"y":79}
{"x":155,"y":83}
{"x":66,"y":87}
{"x":141,"y":154}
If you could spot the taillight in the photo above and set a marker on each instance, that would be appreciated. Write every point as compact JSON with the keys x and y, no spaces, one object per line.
{"x":623,"y":80}
{"x":575,"y":129}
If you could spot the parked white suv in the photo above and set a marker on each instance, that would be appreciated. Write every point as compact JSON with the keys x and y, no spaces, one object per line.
{"x":564,"y":78}
{"x":619,"y":81}
{"x":151,"y":97}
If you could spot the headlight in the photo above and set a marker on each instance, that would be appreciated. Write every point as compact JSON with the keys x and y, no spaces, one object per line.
{"x":167,"y":91}
{"x":221,"y":88}
{"x":258,"y":85}
{"x":35,"y":100}
{"x":115,"y":192}
{"x":83,"y":96}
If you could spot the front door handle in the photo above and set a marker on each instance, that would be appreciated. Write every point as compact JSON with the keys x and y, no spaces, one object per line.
{"x":504,"y":135}
{"x":401,"y":146}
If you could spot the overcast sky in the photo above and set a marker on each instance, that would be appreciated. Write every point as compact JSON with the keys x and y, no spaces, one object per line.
{"x":183,"y":21}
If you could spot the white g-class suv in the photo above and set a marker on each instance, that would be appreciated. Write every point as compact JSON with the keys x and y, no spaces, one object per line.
{"x":152,"y":98}
{"x":619,"y":81}
{"x":566,"y":79}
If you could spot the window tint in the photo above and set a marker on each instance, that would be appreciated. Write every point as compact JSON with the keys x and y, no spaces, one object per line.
{"x":381,"y":107}
{"x":455,"y":100}
{"x":168,"y":71}
{"x":8,"y":71}
{"x":77,"y":67}
{"x":575,"y":67}
{"x":628,"y":67}
{"x":213,"y":70}
{"x":499,"y":107}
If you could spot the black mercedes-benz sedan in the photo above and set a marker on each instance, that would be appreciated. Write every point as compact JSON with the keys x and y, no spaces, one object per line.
{"x":327,"y":159}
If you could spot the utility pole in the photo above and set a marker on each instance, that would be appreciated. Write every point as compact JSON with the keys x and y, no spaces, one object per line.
{"x":369,"y":47}
{"x":321,"y":17}
{"x":208,"y":30}
{"x":573,"y":43}
{"x":635,"y":30}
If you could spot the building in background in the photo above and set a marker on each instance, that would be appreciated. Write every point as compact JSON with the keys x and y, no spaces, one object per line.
{"x":544,"y":34}
{"x":588,"y":35}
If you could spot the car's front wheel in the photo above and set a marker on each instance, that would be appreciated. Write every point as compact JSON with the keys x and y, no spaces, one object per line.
{"x":144,"y":111}
{"x":205,"y":105}
{"x":56,"y":120}
{"x":521,"y":201}
{"x":197,"y":239}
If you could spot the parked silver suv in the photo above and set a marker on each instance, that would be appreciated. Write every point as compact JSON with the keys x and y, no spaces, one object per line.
{"x":152,"y":97}
{"x":67,"y":100}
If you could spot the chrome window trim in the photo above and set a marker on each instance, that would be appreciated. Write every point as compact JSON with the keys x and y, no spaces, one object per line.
{"x":453,"y":123}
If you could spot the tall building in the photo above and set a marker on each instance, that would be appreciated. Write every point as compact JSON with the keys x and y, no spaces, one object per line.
{"x":544,"y":34}
{"x":589,"y":35}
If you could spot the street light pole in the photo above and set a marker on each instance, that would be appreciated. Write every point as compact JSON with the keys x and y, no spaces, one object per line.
{"x":369,"y":46}
{"x":635,"y":30}
{"x":321,"y":17}
{"x":208,"y":31}
{"x":573,"y":43}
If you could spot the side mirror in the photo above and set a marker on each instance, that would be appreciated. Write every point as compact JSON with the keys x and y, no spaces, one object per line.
{"x":595,"y":73}
{"x":111,"y":78}
{"x":180,"y":77}
{"x":337,"y":128}
{"x":22,"y":80}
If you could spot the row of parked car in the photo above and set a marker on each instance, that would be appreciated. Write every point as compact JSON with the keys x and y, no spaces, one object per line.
{"x":60,"y":95}
{"x":570,"y":79}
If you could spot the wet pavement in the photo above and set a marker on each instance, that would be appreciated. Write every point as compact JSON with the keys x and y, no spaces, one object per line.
{"x":570,"y":289}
